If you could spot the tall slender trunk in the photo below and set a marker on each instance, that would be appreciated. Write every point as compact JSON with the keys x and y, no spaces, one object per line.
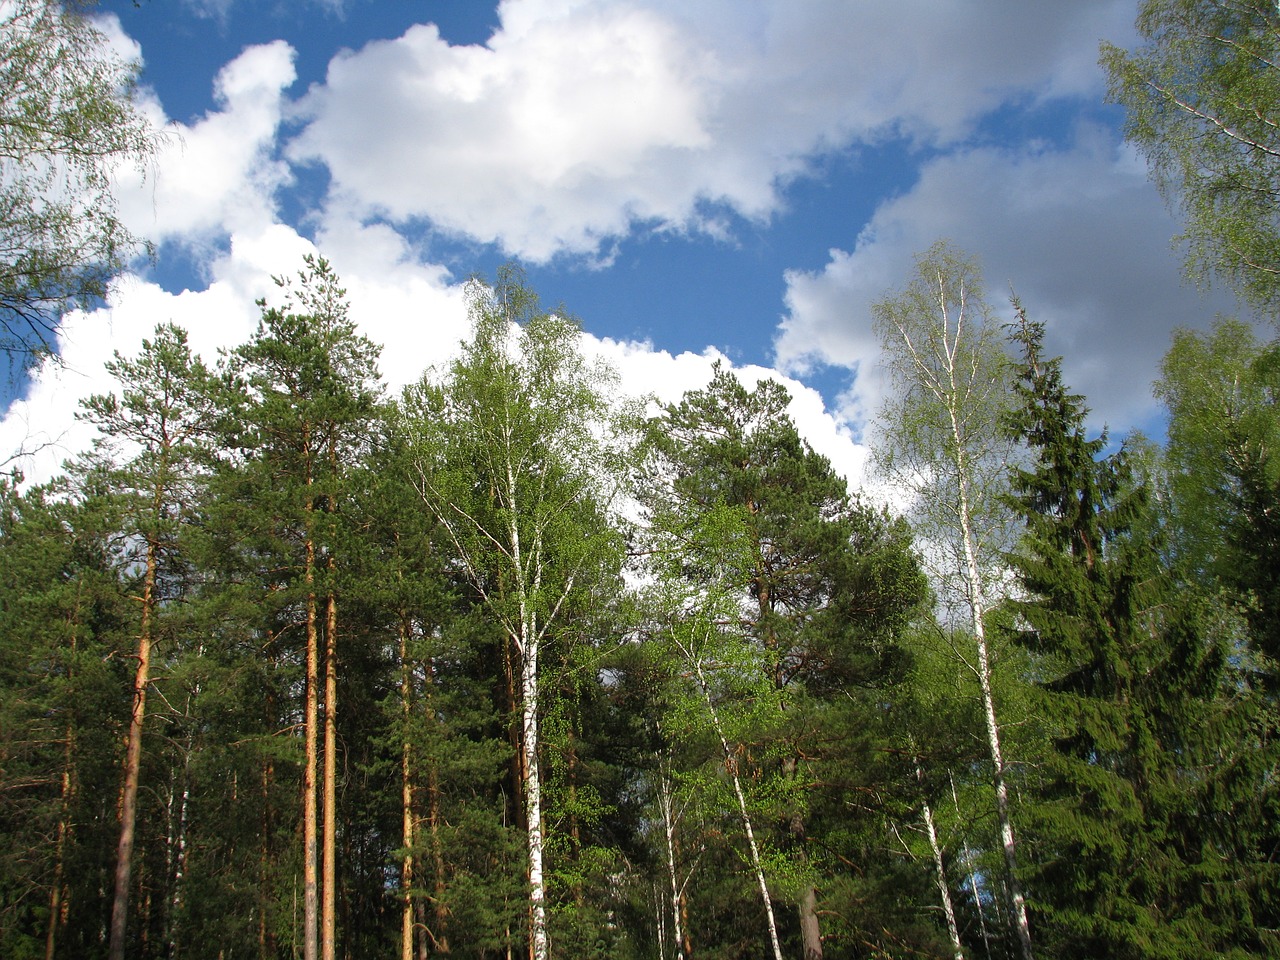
{"x":133,"y":757}
{"x":731,"y":767}
{"x":328,"y":920}
{"x":807,"y":893}
{"x":666,"y":809}
{"x":939,"y":868}
{"x":973,"y":878}
{"x":977,"y":608}
{"x":406,"y":798}
{"x":57,"y":893}
{"x":310,"y":864}
{"x":539,"y":945}
{"x":264,"y":857}
{"x":527,"y":641}
{"x":176,"y":853}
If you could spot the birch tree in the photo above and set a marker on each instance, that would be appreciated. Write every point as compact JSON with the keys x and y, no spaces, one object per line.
{"x":522,"y":451}
{"x":941,"y":437}
{"x":1202,"y":94}
{"x":68,"y":119}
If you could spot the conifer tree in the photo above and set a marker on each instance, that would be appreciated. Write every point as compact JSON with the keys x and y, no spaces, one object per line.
{"x":789,"y":579}
{"x":162,"y":420}
{"x":310,"y":386}
{"x":1127,"y":683}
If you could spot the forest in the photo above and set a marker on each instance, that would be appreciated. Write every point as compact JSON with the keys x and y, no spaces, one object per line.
{"x":514,"y":665}
{"x":511,"y":664}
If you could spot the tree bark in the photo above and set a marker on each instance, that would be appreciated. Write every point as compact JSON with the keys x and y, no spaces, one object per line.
{"x":731,"y":767}
{"x":328,"y":919}
{"x":57,"y":893}
{"x":977,"y":607}
{"x":133,"y":758}
{"x":310,"y":866}
{"x":538,"y":942}
{"x":406,"y":799}
{"x":939,"y":869}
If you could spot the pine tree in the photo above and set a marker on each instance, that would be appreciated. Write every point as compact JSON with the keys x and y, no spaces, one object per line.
{"x":310,"y":386}
{"x":794,"y":595}
{"x":64,"y":626}
{"x":161,"y":422}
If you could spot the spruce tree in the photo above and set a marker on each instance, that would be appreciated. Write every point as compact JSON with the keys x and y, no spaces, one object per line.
{"x":1126,"y":682}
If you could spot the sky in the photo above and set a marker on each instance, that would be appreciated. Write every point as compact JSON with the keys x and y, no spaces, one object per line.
{"x":722,"y":179}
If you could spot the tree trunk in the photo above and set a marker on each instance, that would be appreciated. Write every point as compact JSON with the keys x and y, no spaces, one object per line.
{"x":406,"y":798}
{"x":939,"y":869}
{"x":977,"y":607}
{"x":667,"y":811}
{"x":807,"y":894}
{"x":731,"y":767}
{"x":57,"y":893}
{"x":310,"y":866}
{"x":538,"y":943}
{"x":328,"y":920}
{"x":133,"y":762}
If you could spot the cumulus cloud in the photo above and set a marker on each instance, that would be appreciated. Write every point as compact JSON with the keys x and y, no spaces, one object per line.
{"x":218,"y":175}
{"x":582,"y":119}
{"x":1077,"y":232}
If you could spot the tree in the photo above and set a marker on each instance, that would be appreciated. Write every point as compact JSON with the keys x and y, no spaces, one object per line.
{"x":783,"y":599}
{"x":1222,"y":391}
{"x":312,"y":392}
{"x":62,"y":692}
{"x":1129,"y":862}
{"x":941,"y":435}
{"x":522,"y":454}
{"x":68,"y":121}
{"x":1203,"y":101}
{"x":164,"y":417}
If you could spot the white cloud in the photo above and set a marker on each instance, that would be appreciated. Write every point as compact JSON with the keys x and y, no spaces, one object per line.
{"x":218,"y":175}
{"x":1080,"y":234}
{"x":656,"y":374}
{"x":581,"y":119}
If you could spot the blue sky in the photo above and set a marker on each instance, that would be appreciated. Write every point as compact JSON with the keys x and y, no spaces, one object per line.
{"x":727,"y":177}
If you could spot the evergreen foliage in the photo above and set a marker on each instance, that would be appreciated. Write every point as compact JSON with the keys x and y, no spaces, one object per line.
{"x":748,"y":732}
{"x":1127,"y":680}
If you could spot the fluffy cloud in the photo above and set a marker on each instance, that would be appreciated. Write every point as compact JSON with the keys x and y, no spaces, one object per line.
{"x":1078,"y":232}
{"x":581,"y":119}
{"x":219,"y":175}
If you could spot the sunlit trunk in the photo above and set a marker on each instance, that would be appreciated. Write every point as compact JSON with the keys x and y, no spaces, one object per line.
{"x":133,"y":760}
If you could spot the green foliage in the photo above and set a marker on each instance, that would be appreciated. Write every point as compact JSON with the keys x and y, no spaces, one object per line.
{"x":62,"y":694}
{"x":1130,"y":681}
{"x":1202,"y":94}
{"x":778,"y":605}
{"x":67,"y":121}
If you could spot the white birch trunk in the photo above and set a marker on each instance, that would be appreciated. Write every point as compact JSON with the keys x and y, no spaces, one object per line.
{"x":940,"y":873}
{"x":731,"y":767}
